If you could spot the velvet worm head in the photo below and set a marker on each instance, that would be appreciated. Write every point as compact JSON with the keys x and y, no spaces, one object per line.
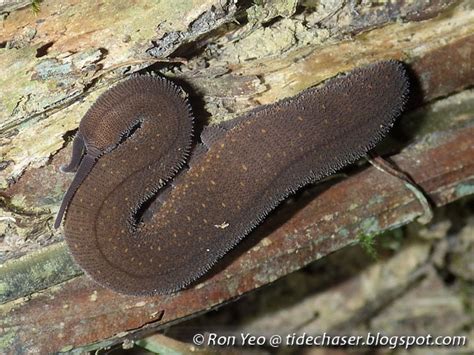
{"x":244,"y":169}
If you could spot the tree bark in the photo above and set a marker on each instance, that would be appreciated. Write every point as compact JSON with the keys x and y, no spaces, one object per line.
{"x":230,"y":57}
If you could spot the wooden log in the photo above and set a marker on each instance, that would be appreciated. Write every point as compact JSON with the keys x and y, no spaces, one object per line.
{"x":55,"y":63}
{"x":366,"y":203}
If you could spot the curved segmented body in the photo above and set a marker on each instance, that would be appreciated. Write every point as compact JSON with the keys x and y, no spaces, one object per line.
{"x":250,"y":166}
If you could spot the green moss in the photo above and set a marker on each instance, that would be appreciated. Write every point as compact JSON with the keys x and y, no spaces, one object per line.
{"x":389,"y":240}
{"x":35,"y":6}
{"x":367,"y":242}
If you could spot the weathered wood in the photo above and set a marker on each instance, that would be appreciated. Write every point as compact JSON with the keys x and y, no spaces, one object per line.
{"x":29,"y":137}
{"x":443,"y":165}
{"x":54,"y":64}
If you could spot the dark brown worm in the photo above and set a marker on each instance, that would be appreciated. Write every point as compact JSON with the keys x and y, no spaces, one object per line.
{"x":245,"y":169}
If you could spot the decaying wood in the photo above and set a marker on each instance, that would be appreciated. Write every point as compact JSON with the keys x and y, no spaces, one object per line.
{"x":443,"y":165}
{"x":230,"y":58}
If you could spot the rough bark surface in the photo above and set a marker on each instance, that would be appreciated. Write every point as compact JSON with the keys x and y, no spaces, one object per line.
{"x":230,"y":57}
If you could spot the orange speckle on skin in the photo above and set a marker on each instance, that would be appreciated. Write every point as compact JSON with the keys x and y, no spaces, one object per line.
{"x":223,"y":178}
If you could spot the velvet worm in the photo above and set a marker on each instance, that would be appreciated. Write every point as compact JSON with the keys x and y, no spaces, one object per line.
{"x":137,"y":137}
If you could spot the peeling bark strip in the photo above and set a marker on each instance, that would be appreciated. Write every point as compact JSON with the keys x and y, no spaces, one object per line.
{"x":442,"y":163}
{"x":449,"y":68}
{"x":212,"y":18}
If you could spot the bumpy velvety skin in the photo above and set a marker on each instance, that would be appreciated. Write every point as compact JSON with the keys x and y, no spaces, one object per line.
{"x":245,"y":169}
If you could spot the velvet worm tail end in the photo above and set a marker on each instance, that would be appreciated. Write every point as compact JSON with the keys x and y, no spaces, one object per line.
{"x":241,"y":171}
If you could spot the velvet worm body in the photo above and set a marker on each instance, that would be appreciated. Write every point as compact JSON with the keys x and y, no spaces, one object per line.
{"x":139,"y":133}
